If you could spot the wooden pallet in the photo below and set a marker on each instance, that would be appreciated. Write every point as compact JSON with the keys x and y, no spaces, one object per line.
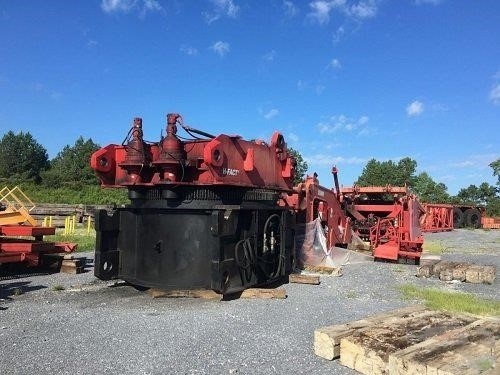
{"x":259,"y":293}
{"x":413,"y":341}
{"x":460,"y":271}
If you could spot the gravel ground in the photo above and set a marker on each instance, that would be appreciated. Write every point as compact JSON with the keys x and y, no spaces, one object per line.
{"x":94,"y":327}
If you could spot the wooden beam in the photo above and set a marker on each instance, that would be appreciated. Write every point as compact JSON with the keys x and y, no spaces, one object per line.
{"x":279,"y":293}
{"x":472,"y":349}
{"x":184,"y":293}
{"x":303,"y":279}
{"x":367,"y":350}
{"x":327,"y":339}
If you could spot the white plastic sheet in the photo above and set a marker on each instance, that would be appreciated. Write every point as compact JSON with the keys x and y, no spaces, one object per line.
{"x":310,"y":244}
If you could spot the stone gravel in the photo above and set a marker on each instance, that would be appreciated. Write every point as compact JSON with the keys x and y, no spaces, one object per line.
{"x":96,"y":327}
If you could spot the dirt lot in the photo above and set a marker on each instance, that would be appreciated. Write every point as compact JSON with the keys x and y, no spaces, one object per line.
{"x":98,"y":327}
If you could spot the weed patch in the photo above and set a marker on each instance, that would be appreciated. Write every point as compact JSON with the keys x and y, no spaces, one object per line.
{"x":451,"y":301}
{"x":434,"y":247}
{"x":85,"y":242}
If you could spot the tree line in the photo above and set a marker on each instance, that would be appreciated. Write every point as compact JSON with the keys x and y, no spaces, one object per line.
{"x":68,"y":175}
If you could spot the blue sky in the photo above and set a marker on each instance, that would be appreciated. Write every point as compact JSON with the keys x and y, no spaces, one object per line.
{"x":344,"y":81}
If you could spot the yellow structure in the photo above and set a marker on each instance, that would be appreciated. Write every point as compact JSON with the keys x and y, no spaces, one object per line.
{"x":16,"y":207}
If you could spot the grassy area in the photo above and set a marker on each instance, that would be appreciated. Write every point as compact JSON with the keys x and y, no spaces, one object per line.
{"x":86,"y":242}
{"x":434,"y":247}
{"x":451,"y":301}
{"x":74,"y":195}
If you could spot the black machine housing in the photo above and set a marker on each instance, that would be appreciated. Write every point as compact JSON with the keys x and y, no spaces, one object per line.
{"x":196,"y":237}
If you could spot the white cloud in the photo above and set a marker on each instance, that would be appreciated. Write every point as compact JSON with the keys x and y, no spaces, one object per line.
{"x":92,"y":43}
{"x":301,"y":85}
{"x":364,"y":9}
{"x":320,"y":11}
{"x":478,"y":161}
{"x":334,"y":64}
{"x":150,"y":6}
{"x":432,"y":2}
{"x":293,"y":137}
{"x":41,"y":89}
{"x":329,"y":160}
{"x":269,"y":56}
{"x":188,"y":50}
{"x":415,"y":108}
{"x":126,"y":6}
{"x":360,"y":10}
{"x":221,"y":48}
{"x":221,"y":8}
{"x":338,"y":34}
{"x":289,"y":8}
{"x":112,"y":6}
{"x":271,"y":113}
{"x":463,"y":164}
{"x":363,"y":120}
{"x":341,"y":123}
{"x":495,"y":94}
{"x":319,"y":89}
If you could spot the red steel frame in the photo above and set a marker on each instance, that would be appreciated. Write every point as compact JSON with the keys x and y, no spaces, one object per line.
{"x":437,"y":217}
{"x":29,"y":249}
{"x":391,"y":225}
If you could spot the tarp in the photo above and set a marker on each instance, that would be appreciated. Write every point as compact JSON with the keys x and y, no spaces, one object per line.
{"x":310,"y":244}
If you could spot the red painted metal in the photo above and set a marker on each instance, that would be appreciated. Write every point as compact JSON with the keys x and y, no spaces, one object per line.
{"x":221,"y":160}
{"x":388,"y":217}
{"x":312,"y":201}
{"x":437,"y":217}
{"x":26,"y":230}
{"x":28,"y":250}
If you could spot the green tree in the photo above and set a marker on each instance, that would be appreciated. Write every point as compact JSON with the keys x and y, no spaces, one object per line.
{"x":429,"y":191}
{"x":377,"y":173}
{"x":300,"y":168}
{"x":22,"y":158}
{"x":71,"y":166}
{"x":484,"y":195}
{"x":496,"y":170}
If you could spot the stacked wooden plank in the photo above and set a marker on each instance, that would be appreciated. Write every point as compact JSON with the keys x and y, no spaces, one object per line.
{"x":460,"y":271}
{"x":59,"y":212}
{"x":414,"y":341}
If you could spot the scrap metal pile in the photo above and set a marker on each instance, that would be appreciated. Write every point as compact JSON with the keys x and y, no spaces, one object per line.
{"x":221,"y":213}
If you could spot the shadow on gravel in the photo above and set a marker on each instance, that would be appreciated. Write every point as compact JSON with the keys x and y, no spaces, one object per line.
{"x":18,"y":288}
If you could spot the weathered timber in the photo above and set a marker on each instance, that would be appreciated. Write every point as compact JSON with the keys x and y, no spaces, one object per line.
{"x":448,"y":271}
{"x":184,"y":293}
{"x":327,"y":339}
{"x":72,"y":266}
{"x":332,"y":271}
{"x":71,"y":269}
{"x":473,"y":349}
{"x":367,"y":350}
{"x":278,"y":293}
{"x":303,"y":279}
{"x":426,"y":268}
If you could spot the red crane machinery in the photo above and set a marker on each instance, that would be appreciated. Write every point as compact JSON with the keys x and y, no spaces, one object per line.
{"x":215,"y":212}
{"x":205,"y":212}
{"x":388,"y":217}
